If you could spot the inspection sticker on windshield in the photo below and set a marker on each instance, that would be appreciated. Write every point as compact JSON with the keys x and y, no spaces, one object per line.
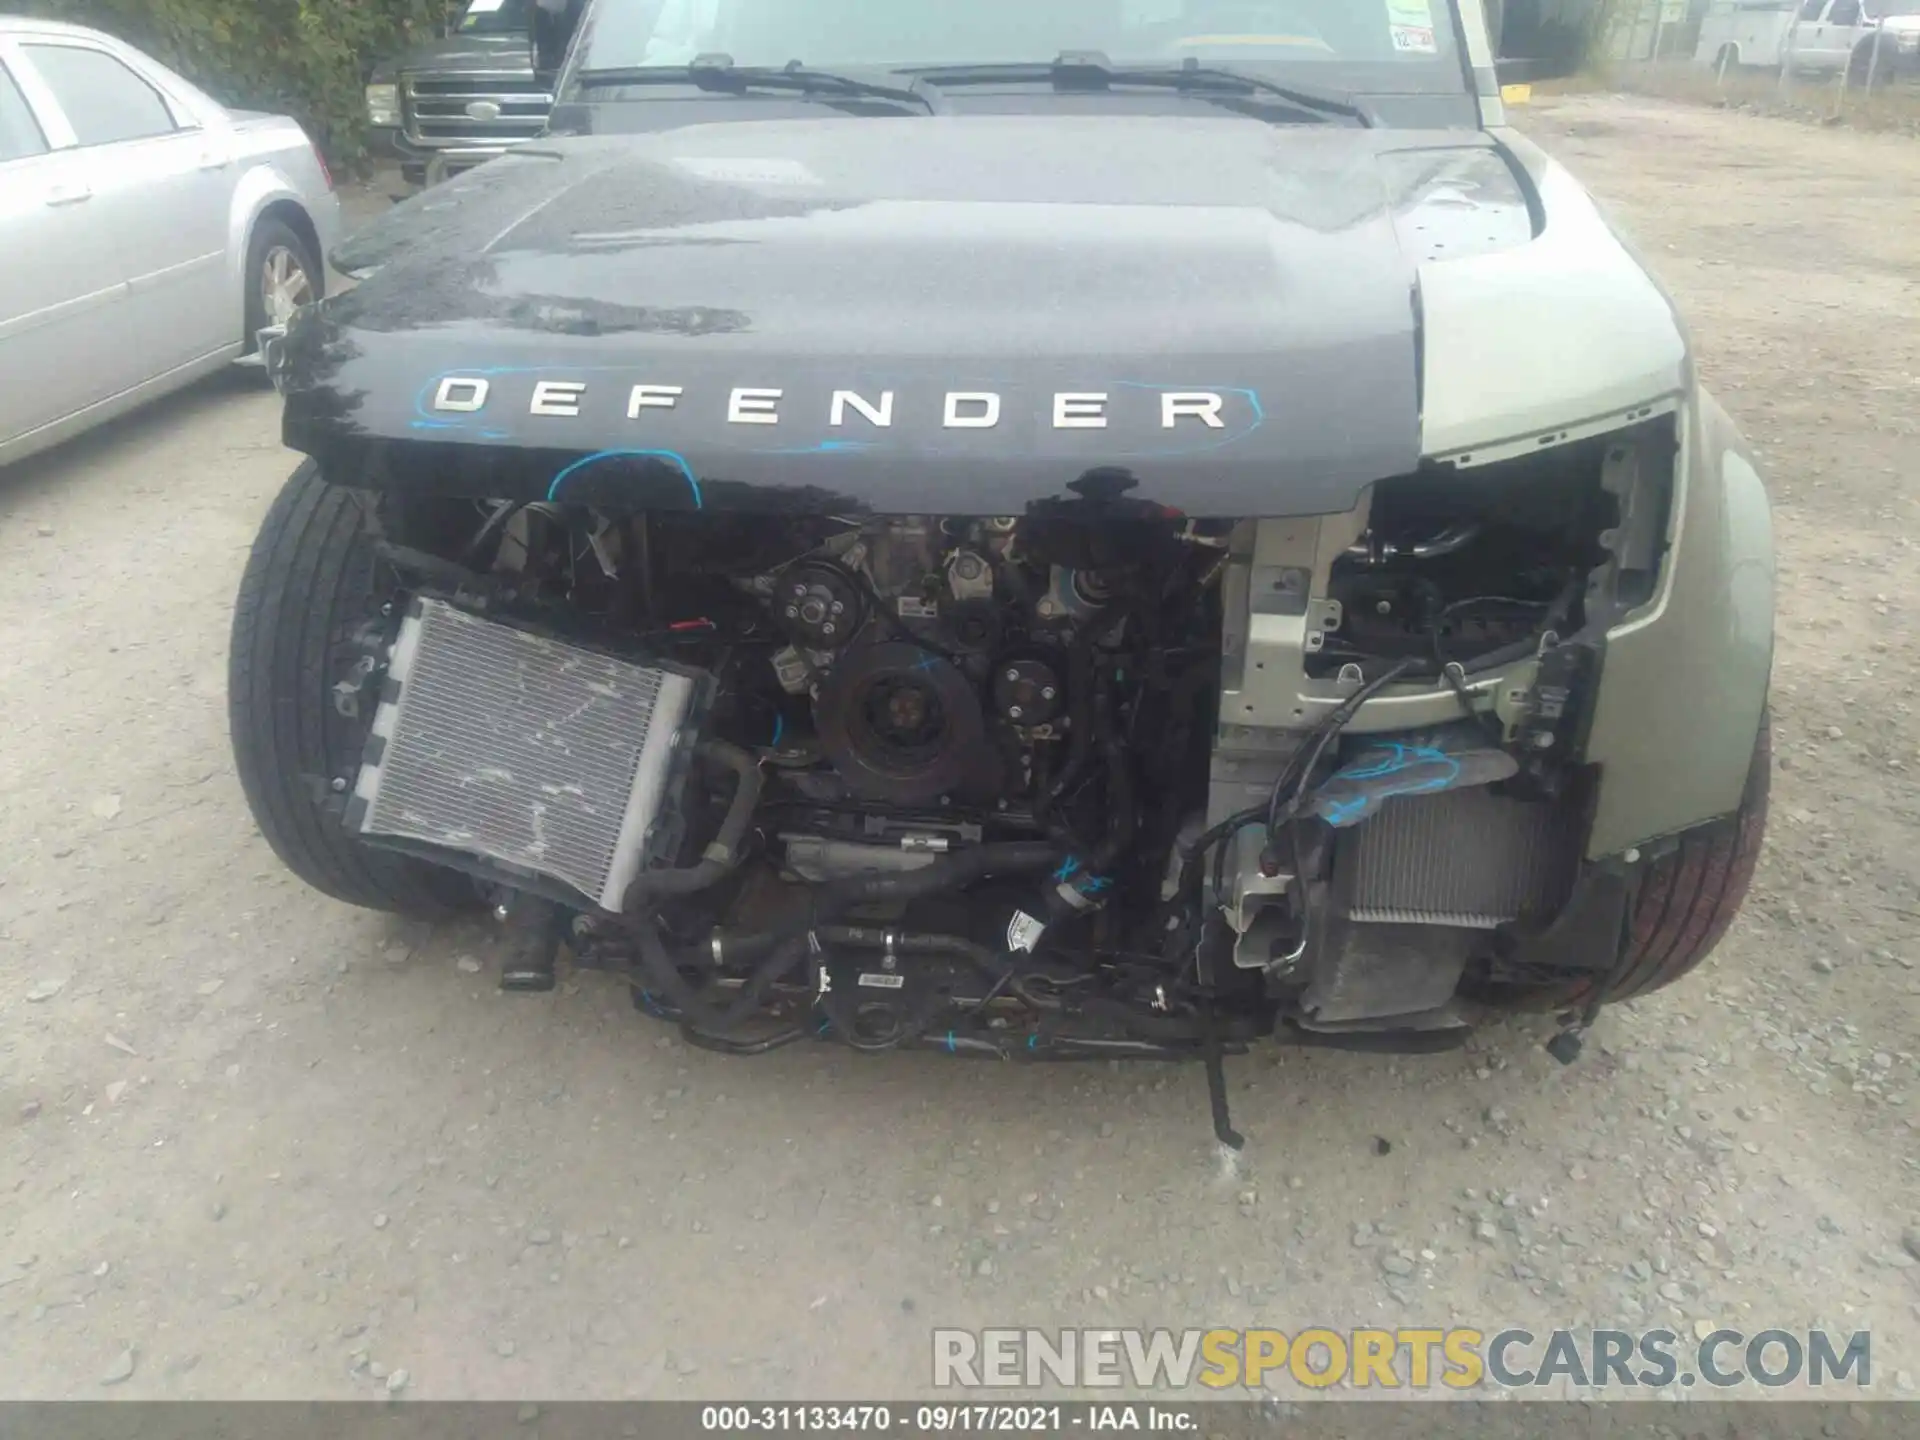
{"x":1410,"y":23}
{"x":485,"y":7}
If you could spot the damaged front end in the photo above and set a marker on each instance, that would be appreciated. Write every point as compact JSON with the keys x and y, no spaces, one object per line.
{"x":1230,"y":639}
{"x":1406,"y":698}
{"x":1095,"y":780}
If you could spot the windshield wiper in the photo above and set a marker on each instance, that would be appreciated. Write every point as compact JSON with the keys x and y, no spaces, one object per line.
{"x":1091,"y":70}
{"x":719,"y":73}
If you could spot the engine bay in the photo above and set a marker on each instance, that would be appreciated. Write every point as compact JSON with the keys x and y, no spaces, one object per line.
{"x":1098,"y":779}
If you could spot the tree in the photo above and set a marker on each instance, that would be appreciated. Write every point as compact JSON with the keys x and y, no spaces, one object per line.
{"x":306,"y":58}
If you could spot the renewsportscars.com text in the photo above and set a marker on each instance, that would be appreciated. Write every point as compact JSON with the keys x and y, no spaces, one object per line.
{"x":1403,"y":1359}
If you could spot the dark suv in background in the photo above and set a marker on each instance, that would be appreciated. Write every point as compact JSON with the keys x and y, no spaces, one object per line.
{"x":451,"y":103}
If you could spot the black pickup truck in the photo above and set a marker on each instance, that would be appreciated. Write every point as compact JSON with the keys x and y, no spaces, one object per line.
{"x":448,"y":104}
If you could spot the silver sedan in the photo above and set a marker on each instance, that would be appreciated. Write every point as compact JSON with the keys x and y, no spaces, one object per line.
{"x":147,"y":233}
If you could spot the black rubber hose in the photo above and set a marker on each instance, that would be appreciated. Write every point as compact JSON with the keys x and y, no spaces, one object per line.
{"x":495,"y":523}
{"x":1056,"y":902}
{"x":835,"y":897}
{"x":1113,"y":748}
{"x":1080,"y":706}
{"x":724,"y":853}
{"x":1056,"y":1048}
{"x":1042,"y":788}
{"x":1140,"y":1022}
{"x":723,"y":1045}
{"x":693,"y":1003}
{"x":908,"y":942}
{"x":434,"y":569}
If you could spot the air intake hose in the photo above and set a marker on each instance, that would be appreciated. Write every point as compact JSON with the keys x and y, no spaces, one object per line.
{"x":723,"y":854}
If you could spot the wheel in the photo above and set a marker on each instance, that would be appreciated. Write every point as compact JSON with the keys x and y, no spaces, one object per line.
{"x":282,"y":274}
{"x":1686,"y":900}
{"x":312,"y":582}
{"x":1689,"y":896}
{"x":1864,"y":72}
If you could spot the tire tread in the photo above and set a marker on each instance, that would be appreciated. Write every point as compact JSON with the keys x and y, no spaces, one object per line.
{"x":1690,"y":896}
{"x":309,"y":572}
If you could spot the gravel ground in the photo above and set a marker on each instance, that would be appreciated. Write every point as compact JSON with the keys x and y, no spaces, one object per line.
{"x":254,"y":1143}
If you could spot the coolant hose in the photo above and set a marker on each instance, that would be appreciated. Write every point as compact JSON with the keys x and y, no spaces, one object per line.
{"x":1080,"y":718}
{"x":723,"y":854}
{"x":1113,"y":748}
{"x":692,"y":1003}
{"x":835,"y":897}
{"x":1081,"y":883}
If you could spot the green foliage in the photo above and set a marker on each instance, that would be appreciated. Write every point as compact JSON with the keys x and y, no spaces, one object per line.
{"x":306,"y":58}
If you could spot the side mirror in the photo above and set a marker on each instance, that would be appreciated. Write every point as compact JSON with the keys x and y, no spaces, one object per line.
{"x":554,"y":22}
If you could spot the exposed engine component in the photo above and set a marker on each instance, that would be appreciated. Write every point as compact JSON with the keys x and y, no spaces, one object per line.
{"x":1084,"y":776}
{"x":820,"y":605}
{"x":969,"y":575}
{"x":1027,"y":691}
{"x":971,"y":627}
{"x":903,"y":725}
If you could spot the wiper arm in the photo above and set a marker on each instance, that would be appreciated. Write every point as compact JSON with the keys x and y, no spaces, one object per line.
{"x":1092,"y":70}
{"x":718,"y":72}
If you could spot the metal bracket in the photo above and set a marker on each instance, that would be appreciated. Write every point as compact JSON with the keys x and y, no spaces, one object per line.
{"x":347,"y":691}
{"x":1322,"y":616}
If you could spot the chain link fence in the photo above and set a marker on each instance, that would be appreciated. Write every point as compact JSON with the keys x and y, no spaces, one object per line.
{"x":1837,"y":61}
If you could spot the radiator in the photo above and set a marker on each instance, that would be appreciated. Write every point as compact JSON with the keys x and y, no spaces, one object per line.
{"x":1463,"y":857}
{"x":536,"y":755}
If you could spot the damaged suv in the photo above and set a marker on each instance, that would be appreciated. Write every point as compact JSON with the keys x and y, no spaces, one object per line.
{"x":1105,"y":528}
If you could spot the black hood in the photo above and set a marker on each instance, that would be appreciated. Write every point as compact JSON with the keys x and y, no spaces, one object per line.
{"x":1218,"y":315}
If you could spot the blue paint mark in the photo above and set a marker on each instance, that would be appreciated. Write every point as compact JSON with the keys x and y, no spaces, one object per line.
{"x":1096,"y":883}
{"x":951,"y":1047}
{"x":926,"y":664}
{"x":1033,"y":1041}
{"x":1068,"y":869}
{"x":1396,"y":757}
{"x":826,"y":447}
{"x":779,"y":729}
{"x":686,"y":470}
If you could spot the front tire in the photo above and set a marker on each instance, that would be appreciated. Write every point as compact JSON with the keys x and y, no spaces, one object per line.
{"x":1862,"y":66}
{"x":1689,"y":896}
{"x":311,"y":582}
{"x":282,"y":274}
{"x":1686,"y":900}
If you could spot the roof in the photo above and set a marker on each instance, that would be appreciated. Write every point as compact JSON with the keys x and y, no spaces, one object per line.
{"x":30,"y":25}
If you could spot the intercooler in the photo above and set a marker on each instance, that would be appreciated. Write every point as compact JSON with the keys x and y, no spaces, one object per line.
{"x":1463,"y":857}
{"x":538,"y":756}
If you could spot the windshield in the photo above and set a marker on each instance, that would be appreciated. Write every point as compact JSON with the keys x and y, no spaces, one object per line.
{"x":494,"y":17}
{"x":1367,"y":46}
